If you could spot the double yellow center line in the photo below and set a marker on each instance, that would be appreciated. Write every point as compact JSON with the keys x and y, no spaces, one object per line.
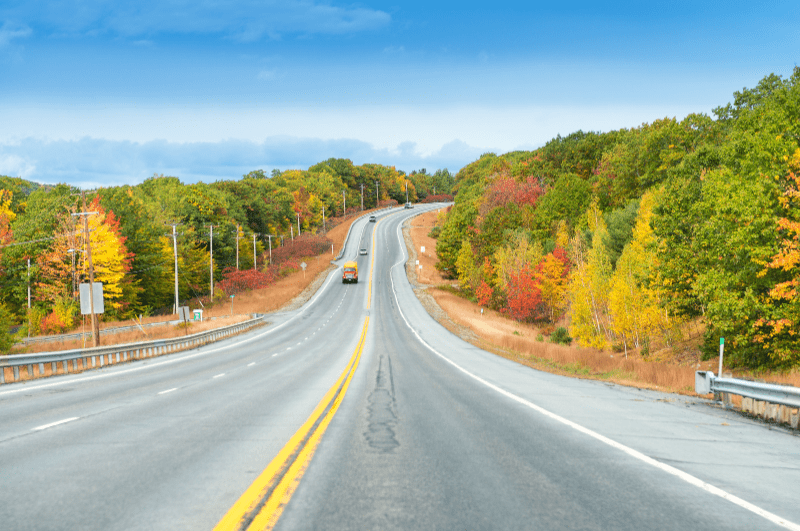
{"x":264,"y":501}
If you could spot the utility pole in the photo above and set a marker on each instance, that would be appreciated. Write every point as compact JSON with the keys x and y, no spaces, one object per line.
{"x":323,"y":219}
{"x":377,"y":200}
{"x":211,"y":259}
{"x":175,"y":254}
{"x":237,"y":247}
{"x":254,"y":251}
{"x":270,"y":236}
{"x":406,"y":192}
{"x":29,"y":297}
{"x":298,"y":223}
{"x":362,"y":197}
{"x":291,"y":229}
{"x":344,"y":198}
{"x":95,"y":322}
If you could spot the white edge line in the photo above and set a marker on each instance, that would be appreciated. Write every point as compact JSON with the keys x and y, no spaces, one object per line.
{"x":25,"y":388}
{"x":692,"y":480}
{"x":220,"y":375}
{"x":251,"y":364}
{"x":39,"y":428}
{"x":168,"y":391}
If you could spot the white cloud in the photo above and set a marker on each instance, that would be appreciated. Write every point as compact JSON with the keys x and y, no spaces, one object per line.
{"x":16,"y":166}
{"x":91,"y":162}
{"x":10,"y":31}
{"x":244,"y":20}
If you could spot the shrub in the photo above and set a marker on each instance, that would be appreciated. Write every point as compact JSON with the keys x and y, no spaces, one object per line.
{"x":303,"y":246}
{"x":245,"y":280}
{"x":6,"y":339}
{"x":561,"y":336}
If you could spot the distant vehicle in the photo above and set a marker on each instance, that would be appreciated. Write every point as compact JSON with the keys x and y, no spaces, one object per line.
{"x":350,"y":272}
{"x":372,"y":218}
{"x":363,"y":251}
{"x":409,"y":205}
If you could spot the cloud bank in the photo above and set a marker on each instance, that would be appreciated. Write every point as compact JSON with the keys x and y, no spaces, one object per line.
{"x":91,"y":162}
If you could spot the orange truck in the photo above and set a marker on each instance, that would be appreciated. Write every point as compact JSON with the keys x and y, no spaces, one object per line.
{"x":350,"y":272}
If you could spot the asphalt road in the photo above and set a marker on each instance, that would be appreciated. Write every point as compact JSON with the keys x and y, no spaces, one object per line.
{"x":432,"y":433}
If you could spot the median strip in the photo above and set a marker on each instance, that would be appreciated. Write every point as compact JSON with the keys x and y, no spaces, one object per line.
{"x":264,"y":501}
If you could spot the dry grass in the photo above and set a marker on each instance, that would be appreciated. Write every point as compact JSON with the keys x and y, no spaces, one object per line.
{"x":521,"y":342}
{"x":420,"y":227}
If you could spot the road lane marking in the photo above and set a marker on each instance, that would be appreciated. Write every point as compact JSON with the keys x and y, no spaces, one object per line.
{"x":40,"y":428}
{"x":251,"y":364}
{"x":168,"y":391}
{"x":219,"y":375}
{"x":688,"y":478}
{"x":264,"y":501}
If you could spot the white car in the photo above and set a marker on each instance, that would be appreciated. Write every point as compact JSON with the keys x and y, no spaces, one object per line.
{"x":363,"y":250}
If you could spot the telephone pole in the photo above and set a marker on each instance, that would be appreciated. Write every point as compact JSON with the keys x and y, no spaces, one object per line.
{"x":298,"y":223}
{"x":362,"y":197}
{"x":29,"y":297}
{"x":323,"y":219}
{"x":254,"y":251}
{"x":95,"y":322}
{"x":237,"y":247}
{"x":344,"y":198}
{"x":175,"y":253}
{"x":377,"y":200}
{"x":211,"y":259}
{"x":270,"y":236}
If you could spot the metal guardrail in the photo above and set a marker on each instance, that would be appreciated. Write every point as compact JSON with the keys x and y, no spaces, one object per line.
{"x":79,"y":335}
{"x":103,"y":332}
{"x":705,"y":382}
{"x":67,"y":361}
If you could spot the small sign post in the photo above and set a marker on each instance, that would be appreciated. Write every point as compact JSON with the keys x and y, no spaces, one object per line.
{"x":303,"y":265}
{"x":232,"y":304}
{"x":721,"y":352}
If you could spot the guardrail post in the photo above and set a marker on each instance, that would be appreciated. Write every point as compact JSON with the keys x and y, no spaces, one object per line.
{"x":16,"y":373}
{"x":794,"y":418}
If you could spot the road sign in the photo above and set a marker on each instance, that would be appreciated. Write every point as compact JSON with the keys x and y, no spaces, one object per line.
{"x":86,"y":305}
{"x":303,"y":265}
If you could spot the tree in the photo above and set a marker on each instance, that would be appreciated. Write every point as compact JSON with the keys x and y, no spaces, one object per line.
{"x":634,"y":305}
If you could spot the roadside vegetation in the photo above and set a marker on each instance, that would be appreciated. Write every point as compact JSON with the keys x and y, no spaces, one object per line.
{"x":637,"y":239}
{"x":133,"y":250}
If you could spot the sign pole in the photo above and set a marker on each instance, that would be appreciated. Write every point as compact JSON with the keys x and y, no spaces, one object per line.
{"x":721,"y":352}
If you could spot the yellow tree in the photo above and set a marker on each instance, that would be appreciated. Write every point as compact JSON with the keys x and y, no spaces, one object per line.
{"x":110,"y":258}
{"x":635,"y":309}
{"x":589,"y":285}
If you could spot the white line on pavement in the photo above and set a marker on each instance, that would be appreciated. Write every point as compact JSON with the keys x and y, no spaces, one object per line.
{"x":774,"y":518}
{"x":168,"y":391}
{"x":39,"y":428}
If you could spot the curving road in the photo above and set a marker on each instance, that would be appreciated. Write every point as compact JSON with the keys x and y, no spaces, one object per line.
{"x":431,"y":433}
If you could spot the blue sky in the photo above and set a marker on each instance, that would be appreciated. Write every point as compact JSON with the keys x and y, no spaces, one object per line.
{"x":102,"y":93}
